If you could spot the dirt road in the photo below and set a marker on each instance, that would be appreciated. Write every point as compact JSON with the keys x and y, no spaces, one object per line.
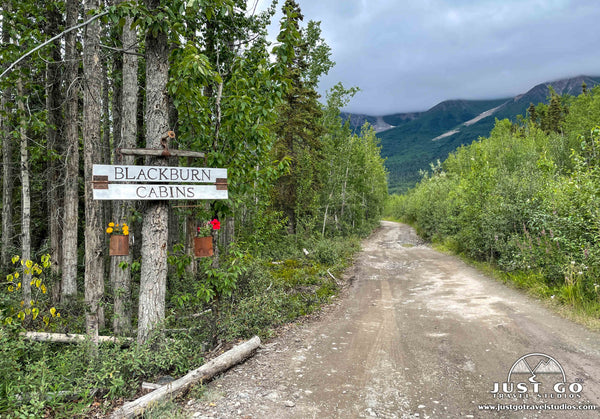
{"x":416,"y":334}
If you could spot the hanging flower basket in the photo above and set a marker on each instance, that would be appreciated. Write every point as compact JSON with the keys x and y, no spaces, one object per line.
{"x":203,"y":242}
{"x":119,"y":245}
{"x":203,"y":246}
{"x":119,"y":239}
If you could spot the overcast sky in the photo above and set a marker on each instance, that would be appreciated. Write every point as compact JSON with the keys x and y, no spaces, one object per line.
{"x":409,"y":55}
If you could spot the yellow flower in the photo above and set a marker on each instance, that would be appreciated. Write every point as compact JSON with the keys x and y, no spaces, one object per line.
{"x":109,"y":230}
{"x":44,"y":290}
{"x":16,"y":274}
{"x":111,"y":224}
{"x":11,"y":288}
{"x":15,"y":259}
{"x":126,"y":232}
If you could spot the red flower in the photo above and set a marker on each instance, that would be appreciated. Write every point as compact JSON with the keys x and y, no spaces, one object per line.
{"x":216,"y":224}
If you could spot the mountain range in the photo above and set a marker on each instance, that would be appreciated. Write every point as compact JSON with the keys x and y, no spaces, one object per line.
{"x":411,"y":141}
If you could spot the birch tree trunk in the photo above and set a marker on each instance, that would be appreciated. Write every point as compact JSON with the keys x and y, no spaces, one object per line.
{"x":155,"y":225}
{"x":25,"y":194}
{"x":121,"y":278}
{"x":7,"y":152}
{"x":71,"y":200}
{"x":94,"y":231}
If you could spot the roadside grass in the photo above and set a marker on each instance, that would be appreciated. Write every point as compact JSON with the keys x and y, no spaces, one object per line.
{"x":166,"y":410}
{"x":70,"y":381}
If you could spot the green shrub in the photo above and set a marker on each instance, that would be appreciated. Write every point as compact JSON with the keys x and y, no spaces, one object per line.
{"x":523,"y":199}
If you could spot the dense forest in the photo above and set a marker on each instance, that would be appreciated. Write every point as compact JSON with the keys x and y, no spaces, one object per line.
{"x":526,"y":199}
{"x":81,"y":84}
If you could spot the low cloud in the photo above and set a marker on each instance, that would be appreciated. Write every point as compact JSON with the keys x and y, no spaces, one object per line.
{"x":410,"y":55}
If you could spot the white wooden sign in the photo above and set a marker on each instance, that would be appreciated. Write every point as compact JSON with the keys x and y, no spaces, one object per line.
{"x":159,"y":174}
{"x":123,"y":182}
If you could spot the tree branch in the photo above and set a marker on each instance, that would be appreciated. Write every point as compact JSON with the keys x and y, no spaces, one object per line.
{"x":123,"y":50}
{"x":13,"y":65}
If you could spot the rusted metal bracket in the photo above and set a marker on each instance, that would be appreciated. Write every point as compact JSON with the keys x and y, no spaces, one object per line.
{"x":164,"y":141}
{"x":99,"y":182}
{"x":221,"y":184}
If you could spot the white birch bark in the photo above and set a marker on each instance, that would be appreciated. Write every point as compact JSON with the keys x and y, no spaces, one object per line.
{"x":25,"y":195}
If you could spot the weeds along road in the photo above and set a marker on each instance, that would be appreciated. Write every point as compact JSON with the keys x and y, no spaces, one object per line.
{"x":416,"y":334}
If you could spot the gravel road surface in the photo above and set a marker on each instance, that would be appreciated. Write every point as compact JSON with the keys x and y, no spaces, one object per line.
{"x":416,"y":334}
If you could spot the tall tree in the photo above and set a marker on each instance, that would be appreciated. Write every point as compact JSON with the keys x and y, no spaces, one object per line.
{"x":7,"y":152}
{"x":53,"y":100}
{"x":94,"y":231}
{"x":153,"y":280}
{"x":25,"y":191}
{"x":71,"y":198}
{"x":121,"y":272}
{"x":305,"y":58}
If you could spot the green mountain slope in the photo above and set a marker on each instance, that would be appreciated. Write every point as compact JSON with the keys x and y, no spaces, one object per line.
{"x":409,"y":147}
{"x":414,"y":145}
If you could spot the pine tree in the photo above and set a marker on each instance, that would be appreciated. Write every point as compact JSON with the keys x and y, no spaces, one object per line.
{"x":297,"y":128}
{"x":555,"y":114}
{"x":532,"y":114}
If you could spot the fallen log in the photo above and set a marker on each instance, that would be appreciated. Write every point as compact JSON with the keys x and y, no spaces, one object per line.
{"x":175,"y":388}
{"x":70,"y":338}
{"x":150,"y":386}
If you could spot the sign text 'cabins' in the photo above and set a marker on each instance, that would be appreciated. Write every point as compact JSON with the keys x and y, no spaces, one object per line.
{"x":123,"y":182}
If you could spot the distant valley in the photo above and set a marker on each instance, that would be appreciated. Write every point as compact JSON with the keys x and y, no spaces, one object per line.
{"x":411,"y":141}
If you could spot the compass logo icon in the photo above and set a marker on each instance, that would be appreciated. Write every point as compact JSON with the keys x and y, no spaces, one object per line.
{"x":536,"y":364}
